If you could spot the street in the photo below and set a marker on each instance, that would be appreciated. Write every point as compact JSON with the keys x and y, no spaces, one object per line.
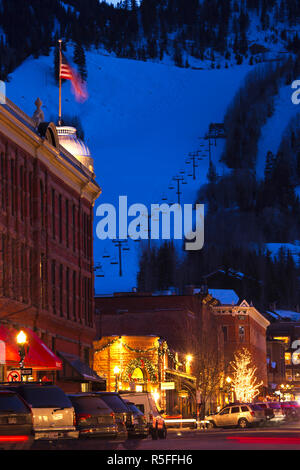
{"x":281,"y":437}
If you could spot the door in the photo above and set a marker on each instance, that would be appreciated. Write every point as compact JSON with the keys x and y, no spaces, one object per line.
{"x":222,"y":418}
{"x":234,"y":416}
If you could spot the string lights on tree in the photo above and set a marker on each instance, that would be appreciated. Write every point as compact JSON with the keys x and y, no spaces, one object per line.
{"x":244,"y":381}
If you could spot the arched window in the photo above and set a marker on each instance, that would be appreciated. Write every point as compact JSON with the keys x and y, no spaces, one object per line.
{"x":42,"y":204}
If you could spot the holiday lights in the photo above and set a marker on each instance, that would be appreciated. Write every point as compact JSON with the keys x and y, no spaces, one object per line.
{"x":244,"y":382}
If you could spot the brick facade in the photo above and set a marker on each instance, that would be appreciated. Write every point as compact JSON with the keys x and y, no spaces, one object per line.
{"x":46,"y":254}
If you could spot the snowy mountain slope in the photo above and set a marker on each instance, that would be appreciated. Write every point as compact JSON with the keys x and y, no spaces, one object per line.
{"x":140,"y":122}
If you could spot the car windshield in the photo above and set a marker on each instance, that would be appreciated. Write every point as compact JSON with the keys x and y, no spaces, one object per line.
{"x":46,"y":397}
{"x":134,"y":409}
{"x":88,"y":404}
{"x":11,"y":402}
{"x":115,"y":403}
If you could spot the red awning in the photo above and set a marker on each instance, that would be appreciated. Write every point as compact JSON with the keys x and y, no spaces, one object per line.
{"x":39,"y":356}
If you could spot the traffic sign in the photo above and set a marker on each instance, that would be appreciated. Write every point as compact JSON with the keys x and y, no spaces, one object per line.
{"x":26,"y":371}
{"x":14,"y":376}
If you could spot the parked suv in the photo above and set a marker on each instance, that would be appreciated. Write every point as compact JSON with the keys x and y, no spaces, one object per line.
{"x":93,"y":417}
{"x":123,"y":415}
{"x":241,"y":415}
{"x":145,"y":402}
{"x":140,"y":425}
{"x":16,"y":424}
{"x":53,"y":412}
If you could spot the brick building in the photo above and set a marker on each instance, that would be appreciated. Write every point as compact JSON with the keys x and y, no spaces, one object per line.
{"x":286,"y":334}
{"x":47,"y":194}
{"x":180,"y":320}
{"x":243,"y":326}
{"x":189,"y":323}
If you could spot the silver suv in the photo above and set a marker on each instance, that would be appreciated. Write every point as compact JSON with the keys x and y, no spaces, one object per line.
{"x":53,"y":412}
{"x":241,"y":415}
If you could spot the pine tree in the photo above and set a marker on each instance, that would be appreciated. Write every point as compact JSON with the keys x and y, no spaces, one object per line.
{"x":79,"y":60}
{"x":212,"y":173}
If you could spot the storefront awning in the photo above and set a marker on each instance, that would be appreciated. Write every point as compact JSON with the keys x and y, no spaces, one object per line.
{"x":84,"y":372}
{"x":38,"y":357}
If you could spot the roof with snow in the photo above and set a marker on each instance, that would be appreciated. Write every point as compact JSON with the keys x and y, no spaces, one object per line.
{"x":294,"y":316}
{"x":225,"y":296}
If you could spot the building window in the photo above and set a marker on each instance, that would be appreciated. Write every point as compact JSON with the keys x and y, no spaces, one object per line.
{"x":53,"y":282}
{"x":61,"y":290}
{"x":287,"y":358}
{"x":53,"y":214}
{"x":30,"y":198}
{"x":13,"y":188}
{"x":67,"y":223}
{"x":242,"y":333}
{"x":74,"y":295}
{"x":225,"y":333}
{"x":43,"y":277}
{"x":42,"y":204}
{"x":24,"y":273}
{"x":22,"y":198}
{"x":284,"y":339}
{"x":74,"y":226}
{"x":60,"y":217}
{"x":68,"y":292}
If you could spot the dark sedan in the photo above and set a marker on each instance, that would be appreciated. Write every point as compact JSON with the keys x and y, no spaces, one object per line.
{"x":94,"y":418}
{"x":16,"y":422}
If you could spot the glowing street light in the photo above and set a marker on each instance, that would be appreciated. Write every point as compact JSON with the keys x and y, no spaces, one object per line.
{"x":23,"y":347}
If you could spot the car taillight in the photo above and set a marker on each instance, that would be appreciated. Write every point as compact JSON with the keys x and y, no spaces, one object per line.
{"x":252,"y":413}
{"x":81,"y":417}
{"x":113,"y":416}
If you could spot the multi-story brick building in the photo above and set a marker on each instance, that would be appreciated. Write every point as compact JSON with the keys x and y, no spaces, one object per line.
{"x":180,"y":320}
{"x":196,"y":324}
{"x":244,"y":326}
{"x":47,"y":194}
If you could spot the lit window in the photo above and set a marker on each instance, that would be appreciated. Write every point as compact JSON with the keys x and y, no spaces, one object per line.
{"x":288,"y":358}
{"x":284,"y":339}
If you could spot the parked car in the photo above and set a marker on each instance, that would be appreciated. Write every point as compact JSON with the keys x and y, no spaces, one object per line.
{"x":123,"y":415}
{"x":274,"y":407}
{"x":140,"y":425}
{"x":145,"y":402}
{"x":94,"y":418}
{"x":269,"y":411}
{"x":241,"y":415}
{"x":53,"y":412}
{"x":16,"y":422}
{"x":290,"y":409}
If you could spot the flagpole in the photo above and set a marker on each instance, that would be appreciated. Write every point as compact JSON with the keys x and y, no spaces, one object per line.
{"x":59,"y":84}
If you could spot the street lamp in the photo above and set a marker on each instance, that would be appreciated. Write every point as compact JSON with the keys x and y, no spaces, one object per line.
{"x":23,"y":348}
{"x":116,"y":372}
{"x":228,"y":380}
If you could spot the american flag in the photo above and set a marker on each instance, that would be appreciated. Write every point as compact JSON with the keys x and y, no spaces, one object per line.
{"x":65,"y":69}
{"x":78,"y":85}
